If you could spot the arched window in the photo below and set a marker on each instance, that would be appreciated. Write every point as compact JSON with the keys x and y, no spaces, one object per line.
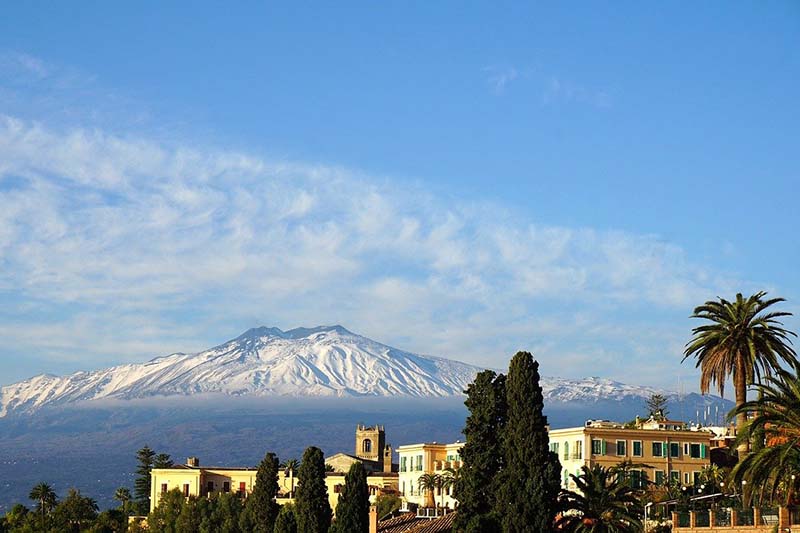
{"x":366,"y":446}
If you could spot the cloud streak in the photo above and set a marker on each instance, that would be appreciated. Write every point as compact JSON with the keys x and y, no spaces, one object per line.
{"x":127,"y":247}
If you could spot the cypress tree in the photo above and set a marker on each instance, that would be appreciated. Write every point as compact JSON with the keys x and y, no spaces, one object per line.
{"x":352,"y":511}
{"x":261,"y":509}
{"x":482,"y":456}
{"x":141,"y":486}
{"x":311,"y":505}
{"x":529,"y":482}
{"x":287,"y":521}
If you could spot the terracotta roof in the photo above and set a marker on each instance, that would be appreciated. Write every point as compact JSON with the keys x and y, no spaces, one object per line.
{"x":398,"y":524}
{"x":442,"y":524}
{"x":411,"y":523}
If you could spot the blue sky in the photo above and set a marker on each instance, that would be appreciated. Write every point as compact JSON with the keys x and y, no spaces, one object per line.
{"x":461,"y":180}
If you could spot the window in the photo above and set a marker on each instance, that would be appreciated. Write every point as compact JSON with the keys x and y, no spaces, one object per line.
{"x":404,"y":488}
{"x":186,"y":490}
{"x":578,"y":449}
{"x":226,"y":486}
{"x":366,"y":446}
{"x":658,"y":449}
{"x":696,"y":478}
{"x":566,"y":451}
{"x":566,"y":479}
{"x":597,"y":447}
{"x":686,"y":478}
{"x":674,"y":449}
{"x":659,"y":477}
{"x":412,"y":488}
{"x":419,"y":462}
{"x":554,"y":447}
{"x":638,"y":479}
{"x":403,"y":464}
{"x":637,"y":448}
{"x":337,"y":489}
{"x":694,"y":451}
{"x":675,"y":476}
{"x":242,"y":487}
{"x":622,"y":448}
{"x":685,"y":448}
{"x":163,"y":488}
{"x":411,"y":468}
{"x":210,"y":486}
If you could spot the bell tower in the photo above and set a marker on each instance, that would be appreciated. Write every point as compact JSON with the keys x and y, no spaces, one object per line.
{"x":370,"y":442}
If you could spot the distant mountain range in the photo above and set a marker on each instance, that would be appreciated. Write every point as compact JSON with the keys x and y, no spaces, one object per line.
{"x":303,"y":362}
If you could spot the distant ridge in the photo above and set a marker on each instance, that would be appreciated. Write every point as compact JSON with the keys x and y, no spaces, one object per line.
{"x":322,"y":361}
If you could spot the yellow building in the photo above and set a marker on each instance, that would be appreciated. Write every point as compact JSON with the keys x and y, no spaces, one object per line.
{"x":195,"y":480}
{"x":427,"y":458}
{"x":674,"y":452}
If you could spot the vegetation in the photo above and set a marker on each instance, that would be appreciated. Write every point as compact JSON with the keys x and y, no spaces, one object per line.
{"x":291,"y":467}
{"x":123,"y":495}
{"x":602,"y":503}
{"x":387,"y":504}
{"x":481,"y":456}
{"x":530,"y":479}
{"x":352,"y":512}
{"x":657,"y":406}
{"x":742,"y":339}
{"x":261,"y":510}
{"x":769,"y":469}
{"x":287,"y":520}
{"x":311,"y":504}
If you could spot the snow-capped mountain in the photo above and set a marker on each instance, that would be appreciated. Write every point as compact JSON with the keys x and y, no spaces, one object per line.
{"x":321,"y":361}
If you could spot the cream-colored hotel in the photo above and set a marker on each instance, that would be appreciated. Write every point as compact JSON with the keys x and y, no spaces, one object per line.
{"x":674,"y":452}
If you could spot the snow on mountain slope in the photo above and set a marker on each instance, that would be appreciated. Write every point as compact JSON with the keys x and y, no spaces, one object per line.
{"x":322,"y":361}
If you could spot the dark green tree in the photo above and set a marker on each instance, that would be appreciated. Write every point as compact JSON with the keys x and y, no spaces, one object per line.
{"x":163,"y":460}
{"x":110,"y":521}
{"x":287,"y":520}
{"x":141,"y":485}
{"x":482,"y":456}
{"x":529,"y":482}
{"x":75,"y":512}
{"x":603,"y":503}
{"x":261,"y":509}
{"x":657,"y":406}
{"x":387,"y":503}
{"x":164,"y":518}
{"x":352,"y":511}
{"x":225,"y":511}
{"x":311,"y":504}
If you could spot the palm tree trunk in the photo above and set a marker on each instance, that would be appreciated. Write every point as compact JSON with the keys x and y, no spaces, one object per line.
{"x":740,"y":386}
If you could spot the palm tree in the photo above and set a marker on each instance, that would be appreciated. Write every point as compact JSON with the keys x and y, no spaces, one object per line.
{"x":429,"y":483}
{"x":45,"y":497}
{"x":450,"y":478}
{"x":770,"y":469}
{"x":742,"y":341}
{"x":602,"y":503}
{"x":290,"y":467}
{"x":123,"y":495}
{"x":713,"y":476}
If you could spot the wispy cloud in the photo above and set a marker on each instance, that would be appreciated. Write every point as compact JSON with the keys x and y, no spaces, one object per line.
{"x":499,"y":78}
{"x":116,"y":247}
{"x":553,"y":88}
{"x":560,"y":90}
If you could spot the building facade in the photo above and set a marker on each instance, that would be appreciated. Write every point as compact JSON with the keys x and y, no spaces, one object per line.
{"x":675,"y":453}
{"x":427,"y":458}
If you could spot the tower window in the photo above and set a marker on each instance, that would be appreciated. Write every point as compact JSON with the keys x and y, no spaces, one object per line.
{"x":366,"y":446}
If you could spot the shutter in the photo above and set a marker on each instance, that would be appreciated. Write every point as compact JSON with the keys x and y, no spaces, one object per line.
{"x":703,"y":451}
{"x":603,"y":446}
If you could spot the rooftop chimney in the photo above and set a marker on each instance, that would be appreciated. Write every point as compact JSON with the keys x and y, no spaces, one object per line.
{"x":194,"y":462}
